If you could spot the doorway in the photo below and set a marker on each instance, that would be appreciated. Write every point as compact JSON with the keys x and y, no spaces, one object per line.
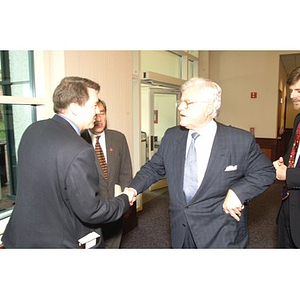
{"x":159,"y":112}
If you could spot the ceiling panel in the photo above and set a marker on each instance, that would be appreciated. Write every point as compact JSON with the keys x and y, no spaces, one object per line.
{"x":290,"y":62}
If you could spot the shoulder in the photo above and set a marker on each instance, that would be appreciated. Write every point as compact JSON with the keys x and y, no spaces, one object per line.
{"x":39,"y":127}
{"x":231,"y":130}
{"x":176,"y":130}
{"x":114,"y":134}
{"x":297,"y":119}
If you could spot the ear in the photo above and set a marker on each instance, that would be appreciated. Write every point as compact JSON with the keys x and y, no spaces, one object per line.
{"x":209,"y":109}
{"x":74,"y":108}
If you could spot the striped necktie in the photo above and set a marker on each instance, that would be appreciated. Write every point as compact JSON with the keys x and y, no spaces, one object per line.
{"x":190,"y":180}
{"x":101,"y":158}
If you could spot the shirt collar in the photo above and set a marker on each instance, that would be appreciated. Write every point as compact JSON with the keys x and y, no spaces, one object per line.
{"x":208,"y":130}
{"x":75,"y":127}
{"x":93,"y":136}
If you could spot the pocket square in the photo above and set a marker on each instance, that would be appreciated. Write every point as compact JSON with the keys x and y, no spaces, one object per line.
{"x":231,"y":168}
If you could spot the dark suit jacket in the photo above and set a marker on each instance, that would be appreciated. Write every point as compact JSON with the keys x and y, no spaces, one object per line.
{"x":210,"y":226}
{"x":293,"y":184}
{"x":118,"y":161}
{"x":119,"y":171}
{"x":58,"y":198}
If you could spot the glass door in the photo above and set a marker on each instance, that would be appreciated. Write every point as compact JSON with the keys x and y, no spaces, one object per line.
{"x":163,"y":107}
{"x":159,"y":112}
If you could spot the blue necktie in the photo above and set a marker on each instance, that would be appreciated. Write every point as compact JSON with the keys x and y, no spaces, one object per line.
{"x":190,"y":180}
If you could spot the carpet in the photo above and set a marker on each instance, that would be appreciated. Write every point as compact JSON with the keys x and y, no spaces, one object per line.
{"x":153,"y":230}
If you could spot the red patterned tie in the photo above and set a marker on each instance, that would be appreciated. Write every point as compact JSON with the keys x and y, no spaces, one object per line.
{"x":285,"y":191}
{"x":101,"y":158}
{"x":295,"y":148}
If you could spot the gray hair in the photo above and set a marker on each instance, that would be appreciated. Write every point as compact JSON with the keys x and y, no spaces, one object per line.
{"x":208,"y":91}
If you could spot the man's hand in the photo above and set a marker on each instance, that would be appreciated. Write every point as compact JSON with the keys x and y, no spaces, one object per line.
{"x":280,"y":169}
{"x":131,"y":193}
{"x":232,"y":205}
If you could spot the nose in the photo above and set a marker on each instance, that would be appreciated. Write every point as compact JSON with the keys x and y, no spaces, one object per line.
{"x":179,"y":105}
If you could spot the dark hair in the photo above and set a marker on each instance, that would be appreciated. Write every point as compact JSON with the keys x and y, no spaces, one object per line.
{"x":103,"y":103}
{"x":72,"y":90}
{"x":294,"y":76}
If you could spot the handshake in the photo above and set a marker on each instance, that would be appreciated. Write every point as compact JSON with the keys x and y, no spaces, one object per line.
{"x":131,"y":193}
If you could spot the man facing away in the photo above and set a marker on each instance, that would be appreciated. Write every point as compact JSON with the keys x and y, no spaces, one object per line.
{"x":288,"y":170}
{"x":119,"y":169}
{"x":58,"y":199}
{"x":212,"y":171}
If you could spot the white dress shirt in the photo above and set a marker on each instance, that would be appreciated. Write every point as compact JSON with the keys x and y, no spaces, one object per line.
{"x":101,"y":142}
{"x":203,"y":145}
{"x":297,"y":156}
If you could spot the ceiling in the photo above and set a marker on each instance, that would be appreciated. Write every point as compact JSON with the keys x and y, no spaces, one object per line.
{"x":290,"y":62}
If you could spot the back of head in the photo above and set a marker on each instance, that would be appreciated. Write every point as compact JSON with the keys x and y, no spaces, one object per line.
{"x":207,"y":90}
{"x":294,"y":76}
{"x":72,"y":90}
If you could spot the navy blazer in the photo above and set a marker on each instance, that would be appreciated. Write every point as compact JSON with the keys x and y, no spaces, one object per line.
{"x":293,"y":184}
{"x":58,"y":199}
{"x":210,"y":226}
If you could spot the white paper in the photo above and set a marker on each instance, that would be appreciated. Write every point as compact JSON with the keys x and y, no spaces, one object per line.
{"x":89,"y":240}
{"x":118,"y":190}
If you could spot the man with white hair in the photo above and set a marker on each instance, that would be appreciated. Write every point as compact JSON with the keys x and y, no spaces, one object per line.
{"x":212,"y":171}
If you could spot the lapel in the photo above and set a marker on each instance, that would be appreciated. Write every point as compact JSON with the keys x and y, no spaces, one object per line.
{"x":216,"y":163}
{"x":179,"y":160}
{"x":109,"y":152}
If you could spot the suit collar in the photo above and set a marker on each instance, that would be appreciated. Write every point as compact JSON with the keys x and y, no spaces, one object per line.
{"x":65,"y":122}
{"x":74,"y":126}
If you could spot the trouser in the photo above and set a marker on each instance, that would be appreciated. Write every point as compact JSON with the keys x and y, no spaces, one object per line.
{"x":112,"y":234}
{"x":284,"y":237}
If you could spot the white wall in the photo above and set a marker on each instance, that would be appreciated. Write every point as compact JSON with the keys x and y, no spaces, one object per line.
{"x":239,"y":73}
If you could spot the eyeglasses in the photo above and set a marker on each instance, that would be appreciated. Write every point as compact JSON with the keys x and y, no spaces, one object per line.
{"x":186,"y":103}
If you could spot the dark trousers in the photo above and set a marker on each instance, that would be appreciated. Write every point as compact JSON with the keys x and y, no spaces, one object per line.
{"x":284,"y":237}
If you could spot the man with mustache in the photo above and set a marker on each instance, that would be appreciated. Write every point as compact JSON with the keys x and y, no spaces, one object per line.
{"x":119,"y":169}
{"x":288,"y":170}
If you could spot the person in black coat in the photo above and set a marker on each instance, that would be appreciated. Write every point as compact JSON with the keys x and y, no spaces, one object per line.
{"x":288,"y":170}
{"x":58,"y":200}
{"x":117,"y":156}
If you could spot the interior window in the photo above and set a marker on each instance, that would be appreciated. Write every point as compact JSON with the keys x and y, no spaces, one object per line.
{"x":16,"y":79}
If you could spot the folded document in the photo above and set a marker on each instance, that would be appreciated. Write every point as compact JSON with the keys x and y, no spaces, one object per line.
{"x":89,"y":240}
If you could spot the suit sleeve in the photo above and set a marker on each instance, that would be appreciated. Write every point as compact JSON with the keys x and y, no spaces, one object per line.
{"x":151,"y":171}
{"x":82,"y":192}
{"x":259,"y":173}
{"x":125,"y":175}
